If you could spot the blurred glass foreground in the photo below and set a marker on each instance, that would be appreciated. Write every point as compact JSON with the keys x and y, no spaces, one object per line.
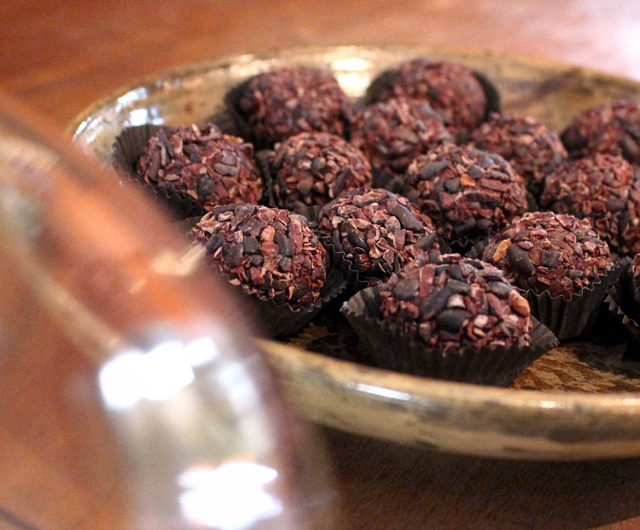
{"x":131,"y":393}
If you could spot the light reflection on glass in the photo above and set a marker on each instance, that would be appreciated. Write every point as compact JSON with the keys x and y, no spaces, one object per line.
{"x":157,"y":375}
{"x":228,"y":497}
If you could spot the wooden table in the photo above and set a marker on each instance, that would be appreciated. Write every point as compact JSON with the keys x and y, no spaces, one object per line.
{"x":60,"y":56}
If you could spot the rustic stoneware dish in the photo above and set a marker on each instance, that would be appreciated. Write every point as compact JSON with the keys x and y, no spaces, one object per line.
{"x":579,"y":401}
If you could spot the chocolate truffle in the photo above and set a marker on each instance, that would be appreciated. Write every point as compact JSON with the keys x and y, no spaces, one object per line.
{"x":532,"y":149}
{"x":544,"y":251}
{"x":595,"y":188}
{"x":467,"y":193}
{"x":315,"y":168}
{"x":287,"y":101}
{"x":378,"y":231}
{"x":392,"y":133}
{"x":268,"y":252}
{"x":610,"y":128}
{"x":630,"y":220}
{"x":451,"y":89}
{"x":202,"y":165}
{"x":457,"y":302}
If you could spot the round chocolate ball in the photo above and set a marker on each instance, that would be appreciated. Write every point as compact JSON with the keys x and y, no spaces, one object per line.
{"x":457,"y":302}
{"x":612,"y":128}
{"x":595,"y":188}
{"x":467,"y":193}
{"x":379,"y":232}
{"x":287,"y":101}
{"x":629,"y":227}
{"x":392,"y":133}
{"x":544,"y":251}
{"x":269,"y":252}
{"x":201,"y":165}
{"x":314,"y":168}
{"x":452,"y":90}
{"x":532,"y":149}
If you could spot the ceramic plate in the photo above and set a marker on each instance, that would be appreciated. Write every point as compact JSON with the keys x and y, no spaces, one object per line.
{"x":579,"y":401}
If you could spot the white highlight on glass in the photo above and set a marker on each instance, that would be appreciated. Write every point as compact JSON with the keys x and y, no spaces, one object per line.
{"x":156,"y":375}
{"x":228,"y":497}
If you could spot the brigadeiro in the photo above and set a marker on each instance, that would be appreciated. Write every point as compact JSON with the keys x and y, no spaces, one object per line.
{"x":467,"y":193}
{"x":392,"y":133}
{"x":612,"y":128}
{"x":373,"y":233}
{"x":451,"y":89}
{"x":451,"y":317}
{"x":270,"y":253}
{"x":561,"y":265}
{"x":201,"y":165}
{"x":532,"y":148}
{"x":595,"y":188}
{"x":311,"y":169}
{"x":274,"y":105}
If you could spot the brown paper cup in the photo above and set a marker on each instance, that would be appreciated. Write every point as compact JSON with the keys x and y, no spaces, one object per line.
{"x":570,"y":318}
{"x":394,"y":349}
{"x":620,"y":302}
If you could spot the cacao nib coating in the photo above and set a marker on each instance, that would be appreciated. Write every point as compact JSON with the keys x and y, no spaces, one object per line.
{"x":595,"y":188}
{"x":451,"y":89}
{"x":544,"y":251}
{"x":457,"y":302}
{"x":532,"y":149}
{"x":267,"y":251}
{"x":467,"y":193}
{"x":630,"y":220}
{"x":287,"y":101}
{"x":378,"y":231}
{"x":315,"y":168}
{"x":203,"y":165}
{"x":612,"y":128}
{"x":392,"y":133}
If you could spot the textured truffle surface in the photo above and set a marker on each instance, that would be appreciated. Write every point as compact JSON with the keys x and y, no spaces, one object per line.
{"x":287,"y":101}
{"x":202,"y":165}
{"x":544,"y":251}
{"x":457,"y":302}
{"x":392,"y":133}
{"x":452,"y":90}
{"x":315,"y":168}
{"x":378,"y":231}
{"x":612,"y":128}
{"x":467,"y":193}
{"x":595,"y":188}
{"x":532,"y":149}
{"x":269,"y":252}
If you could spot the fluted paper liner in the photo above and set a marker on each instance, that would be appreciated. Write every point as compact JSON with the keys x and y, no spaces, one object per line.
{"x":621,"y":304}
{"x":394,"y":349}
{"x":575,"y":316}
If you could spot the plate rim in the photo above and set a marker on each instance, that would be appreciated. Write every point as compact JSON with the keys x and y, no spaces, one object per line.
{"x":346,"y":375}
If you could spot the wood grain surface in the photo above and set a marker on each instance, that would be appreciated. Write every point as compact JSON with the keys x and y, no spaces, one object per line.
{"x":60,"y":56}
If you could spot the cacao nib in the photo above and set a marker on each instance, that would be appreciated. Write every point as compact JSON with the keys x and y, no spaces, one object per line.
{"x":287,"y":263}
{"x":449,"y":316}
{"x":392,"y":133}
{"x":378,"y":231}
{"x":313,"y":168}
{"x":557,"y":260}
{"x":612,"y":128}
{"x":287,"y":101}
{"x":478,"y":205}
{"x":597,"y":188}
{"x":532,"y":149}
{"x":451,"y":89}
{"x":202,"y":165}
